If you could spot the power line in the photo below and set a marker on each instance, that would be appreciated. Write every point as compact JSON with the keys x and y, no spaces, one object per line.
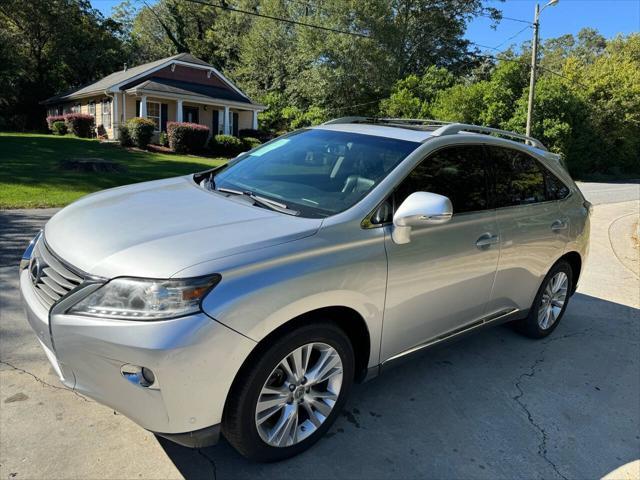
{"x":362,"y":35}
{"x":512,"y":36}
{"x":279,"y":19}
{"x":486,"y":15}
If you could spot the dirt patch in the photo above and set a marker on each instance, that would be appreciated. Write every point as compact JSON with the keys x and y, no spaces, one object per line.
{"x":96,"y":165}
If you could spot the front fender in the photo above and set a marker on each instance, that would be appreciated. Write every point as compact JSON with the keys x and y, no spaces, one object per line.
{"x":263,"y":291}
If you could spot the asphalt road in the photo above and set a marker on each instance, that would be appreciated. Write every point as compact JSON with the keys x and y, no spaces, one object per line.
{"x":599,"y":193}
{"x":494,"y":405}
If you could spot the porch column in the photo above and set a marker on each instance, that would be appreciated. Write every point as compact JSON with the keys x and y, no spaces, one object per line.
{"x":114,"y":115}
{"x":254,"y":119}
{"x":226,"y":122}
{"x":124,"y":107}
{"x":179,"y":110}
{"x":143,"y":106}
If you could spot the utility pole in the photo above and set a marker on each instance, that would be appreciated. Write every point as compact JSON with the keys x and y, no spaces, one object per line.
{"x":534,"y":65}
{"x":534,"y":62}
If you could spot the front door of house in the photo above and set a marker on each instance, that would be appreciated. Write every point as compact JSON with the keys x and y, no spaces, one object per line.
{"x":190,"y":114}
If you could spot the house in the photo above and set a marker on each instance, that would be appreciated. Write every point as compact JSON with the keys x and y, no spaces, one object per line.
{"x":180,"y":88}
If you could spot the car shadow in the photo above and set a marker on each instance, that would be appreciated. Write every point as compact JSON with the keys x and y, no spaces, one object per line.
{"x":492,"y":405}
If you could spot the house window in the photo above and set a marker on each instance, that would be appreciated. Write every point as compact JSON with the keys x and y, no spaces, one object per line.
{"x":106,"y":113}
{"x":92,"y":108}
{"x":154,"y":113}
{"x":76,"y":108}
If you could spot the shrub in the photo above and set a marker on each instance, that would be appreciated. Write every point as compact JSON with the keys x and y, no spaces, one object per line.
{"x":227,"y":145}
{"x":123,"y":135}
{"x":261,"y":135}
{"x":250,"y":142}
{"x":140,"y":131}
{"x":187,"y":137}
{"x":59,"y":128}
{"x":54,"y":118}
{"x":79,"y":124}
{"x":164,"y":139}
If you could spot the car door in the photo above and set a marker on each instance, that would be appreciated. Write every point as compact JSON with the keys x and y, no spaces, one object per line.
{"x":533,"y":230}
{"x":441,"y":280}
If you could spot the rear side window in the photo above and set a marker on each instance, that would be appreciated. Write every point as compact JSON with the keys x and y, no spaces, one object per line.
{"x":515,"y":178}
{"x":456,"y":172}
{"x":556,"y":190}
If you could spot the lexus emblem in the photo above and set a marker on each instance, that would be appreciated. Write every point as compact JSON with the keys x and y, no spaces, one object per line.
{"x":35,"y":270}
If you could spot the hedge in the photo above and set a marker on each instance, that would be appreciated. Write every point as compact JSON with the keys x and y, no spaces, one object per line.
{"x":79,"y":124}
{"x":140,"y":131}
{"x":227,"y":145}
{"x":261,"y":135}
{"x":187,"y":137}
{"x":59,"y":128}
{"x":51,"y":119}
{"x":123,"y":135}
{"x":250,"y":142}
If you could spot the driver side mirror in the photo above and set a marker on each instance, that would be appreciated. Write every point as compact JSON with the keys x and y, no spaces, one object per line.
{"x":418,"y":210}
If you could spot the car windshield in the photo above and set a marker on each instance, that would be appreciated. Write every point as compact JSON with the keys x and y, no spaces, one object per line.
{"x":315,"y":172}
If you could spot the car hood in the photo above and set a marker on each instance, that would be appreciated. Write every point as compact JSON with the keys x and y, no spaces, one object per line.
{"x":155,"y":229}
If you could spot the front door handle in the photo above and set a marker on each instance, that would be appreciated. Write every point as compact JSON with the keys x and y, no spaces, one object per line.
{"x":559,"y":225}
{"x":486,"y":240}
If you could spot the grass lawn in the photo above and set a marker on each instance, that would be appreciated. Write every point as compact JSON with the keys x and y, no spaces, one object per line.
{"x":32,"y":175}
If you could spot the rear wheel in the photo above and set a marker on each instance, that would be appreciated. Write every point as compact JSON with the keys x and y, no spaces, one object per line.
{"x":550,"y":302}
{"x":284,"y":403}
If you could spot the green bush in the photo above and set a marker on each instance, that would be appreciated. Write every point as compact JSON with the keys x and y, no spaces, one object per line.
{"x":227,"y":145}
{"x":59,"y":128}
{"x":79,"y":124}
{"x":250,"y":142}
{"x":163,"y":139}
{"x":187,"y":137}
{"x":123,"y":135}
{"x":140,"y":131}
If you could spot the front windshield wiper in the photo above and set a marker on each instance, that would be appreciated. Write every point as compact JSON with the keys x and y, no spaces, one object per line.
{"x":262,"y":201}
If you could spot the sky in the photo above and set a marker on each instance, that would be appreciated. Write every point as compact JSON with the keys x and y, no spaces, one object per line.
{"x":610,"y":17}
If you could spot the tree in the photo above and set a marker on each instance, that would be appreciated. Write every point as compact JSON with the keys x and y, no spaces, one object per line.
{"x":42,"y":45}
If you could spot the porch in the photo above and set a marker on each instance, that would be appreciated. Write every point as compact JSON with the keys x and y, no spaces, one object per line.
{"x":163,"y":101}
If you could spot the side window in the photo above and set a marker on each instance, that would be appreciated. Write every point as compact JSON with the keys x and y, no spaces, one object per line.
{"x":556,"y":190}
{"x":456,"y":172}
{"x":515,"y":178}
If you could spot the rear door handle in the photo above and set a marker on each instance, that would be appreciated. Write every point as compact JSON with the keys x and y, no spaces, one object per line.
{"x":559,"y":225}
{"x":486,"y":240}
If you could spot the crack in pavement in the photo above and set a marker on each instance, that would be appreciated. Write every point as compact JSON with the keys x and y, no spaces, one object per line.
{"x":211,"y":462}
{"x":542,"y":447}
{"x":39,"y":380}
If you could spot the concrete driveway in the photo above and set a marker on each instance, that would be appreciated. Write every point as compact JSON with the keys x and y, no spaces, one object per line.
{"x":494,"y":405}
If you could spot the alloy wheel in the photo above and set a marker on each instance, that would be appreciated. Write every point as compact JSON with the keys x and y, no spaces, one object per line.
{"x":299,"y":394}
{"x":553,"y":299}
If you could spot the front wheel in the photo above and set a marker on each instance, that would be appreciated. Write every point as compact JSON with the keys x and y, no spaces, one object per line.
{"x":550,"y":302}
{"x":289,"y":398}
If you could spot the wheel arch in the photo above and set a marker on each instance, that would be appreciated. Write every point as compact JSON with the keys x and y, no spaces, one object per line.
{"x":575,"y":262}
{"x":346,"y":318}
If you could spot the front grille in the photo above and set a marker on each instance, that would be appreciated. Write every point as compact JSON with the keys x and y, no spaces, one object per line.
{"x":51,"y":278}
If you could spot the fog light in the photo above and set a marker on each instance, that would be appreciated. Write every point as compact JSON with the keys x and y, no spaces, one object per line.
{"x":141,"y":376}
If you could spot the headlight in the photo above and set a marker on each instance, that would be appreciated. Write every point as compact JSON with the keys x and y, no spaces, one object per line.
{"x":146,"y":299}
{"x":26,"y":256}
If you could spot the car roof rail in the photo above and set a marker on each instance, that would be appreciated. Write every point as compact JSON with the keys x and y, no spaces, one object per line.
{"x":454,"y":128}
{"x":404,"y":122}
{"x":439,"y":127}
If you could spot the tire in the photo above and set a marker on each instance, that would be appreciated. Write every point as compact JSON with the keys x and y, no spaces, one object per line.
{"x":535,"y":326}
{"x":241,"y":417}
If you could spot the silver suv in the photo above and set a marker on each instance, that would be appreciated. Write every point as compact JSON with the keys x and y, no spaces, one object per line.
{"x":246,"y":300}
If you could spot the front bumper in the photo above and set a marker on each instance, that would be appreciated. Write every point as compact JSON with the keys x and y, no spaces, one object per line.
{"x":194,"y":360}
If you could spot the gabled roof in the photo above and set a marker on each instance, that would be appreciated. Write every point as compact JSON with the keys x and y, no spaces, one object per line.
{"x":121,"y":77}
{"x":177,"y":87}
